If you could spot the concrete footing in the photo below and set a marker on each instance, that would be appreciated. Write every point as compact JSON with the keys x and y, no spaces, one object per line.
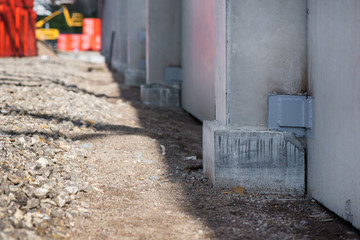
{"x":135,"y":77}
{"x":118,"y":66}
{"x":160,"y":95}
{"x":260,"y":161}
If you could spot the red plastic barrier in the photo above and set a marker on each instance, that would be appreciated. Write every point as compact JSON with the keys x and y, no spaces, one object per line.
{"x":12,"y":3}
{"x":19,"y":41}
{"x":32,"y":50}
{"x":2,"y":30}
{"x":23,"y":3}
{"x":10,"y":33}
{"x":29,"y":4}
{"x":17,"y":31}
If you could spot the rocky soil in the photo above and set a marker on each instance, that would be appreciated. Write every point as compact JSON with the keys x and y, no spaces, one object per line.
{"x":82,"y":158}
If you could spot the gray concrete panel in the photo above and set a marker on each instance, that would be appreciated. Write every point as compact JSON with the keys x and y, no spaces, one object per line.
{"x":266,"y":53}
{"x":160,"y":95}
{"x":120,"y":48}
{"x":163,"y":38}
{"x":136,"y":22}
{"x":134,"y":77}
{"x":107,"y":28}
{"x":198,"y":58}
{"x":114,"y":21}
{"x":334,"y":76}
{"x":260,"y":161}
{"x":221,"y":83}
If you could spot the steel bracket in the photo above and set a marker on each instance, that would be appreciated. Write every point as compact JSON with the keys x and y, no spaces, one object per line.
{"x":173,"y":75}
{"x":291,"y":113}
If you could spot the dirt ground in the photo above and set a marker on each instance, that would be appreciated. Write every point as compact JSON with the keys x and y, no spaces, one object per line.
{"x":145,"y":167}
{"x":148,"y":168}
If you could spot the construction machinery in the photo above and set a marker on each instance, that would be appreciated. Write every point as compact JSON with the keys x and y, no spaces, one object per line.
{"x":52,"y":33}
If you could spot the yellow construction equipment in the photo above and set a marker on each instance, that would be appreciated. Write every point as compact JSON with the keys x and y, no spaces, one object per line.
{"x":52,"y":33}
{"x":43,"y":34}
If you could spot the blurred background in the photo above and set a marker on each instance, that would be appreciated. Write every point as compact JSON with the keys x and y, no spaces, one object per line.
{"x":26,"y":26}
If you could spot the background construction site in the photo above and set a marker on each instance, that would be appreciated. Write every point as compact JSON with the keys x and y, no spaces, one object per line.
{"x":179,"y":119}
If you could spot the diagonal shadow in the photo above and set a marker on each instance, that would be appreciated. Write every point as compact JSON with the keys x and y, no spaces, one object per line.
{"x":76,"y":89}
{"x":54,"y":135}
{"x":221,"y":213}
{"x":103,"y":128}
{"x":20,"y":84}
{"x":68,"y":87}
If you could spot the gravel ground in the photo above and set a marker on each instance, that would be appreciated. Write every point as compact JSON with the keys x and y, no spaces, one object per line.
{"x":82,"y":158}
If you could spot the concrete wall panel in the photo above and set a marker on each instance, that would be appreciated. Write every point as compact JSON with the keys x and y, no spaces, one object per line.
{"x":334,"y":76}
{"x":136,"y":22}
{"x":114,"y":20}
{"x":266,"y":54}
{"x":163,"y":38}
{"x":221,"y":83}
{"x":198,"y":58}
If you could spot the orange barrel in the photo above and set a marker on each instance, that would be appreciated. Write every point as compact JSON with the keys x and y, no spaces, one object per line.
{"x":92,"y":26}
{"x":85,"y":44}
{"x":88,"y":26}
{"x":62,"y":42}
{"x":97,"y":26}
{"x":96,"y":43}
{"x":75,"y":40}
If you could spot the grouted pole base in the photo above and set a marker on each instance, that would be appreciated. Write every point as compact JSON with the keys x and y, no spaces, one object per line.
{"x":160,"y":95}
{"x":119,"y":67}
{"x":259,"y":160}
{"x":135,"y":77}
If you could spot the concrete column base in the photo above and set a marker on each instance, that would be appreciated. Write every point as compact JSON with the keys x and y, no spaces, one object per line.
{"x":135,"y":77}
{"x":261,"y":161}
{"x":160,"y":95}
{"x":119,"y":67}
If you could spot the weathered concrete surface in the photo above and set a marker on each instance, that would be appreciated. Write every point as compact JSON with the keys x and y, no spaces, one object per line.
{"x":109,"y":7}
{"x":258,"y":160}
{"x":265,"y":53}
{"x":334,"y":80}
{"x":115,"y":21}
{"x":160,"y":95}
{"x":136,"y":22}
{"x":260,"y":48}
{"x":163,"y":50}
{"x":134,"y":77}
{"x":163,"y":38}
{"x":198,"y":49}
{"x":119,"y":58}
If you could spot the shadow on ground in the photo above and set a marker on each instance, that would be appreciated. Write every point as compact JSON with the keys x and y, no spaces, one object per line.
{"x":230,"y":215}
